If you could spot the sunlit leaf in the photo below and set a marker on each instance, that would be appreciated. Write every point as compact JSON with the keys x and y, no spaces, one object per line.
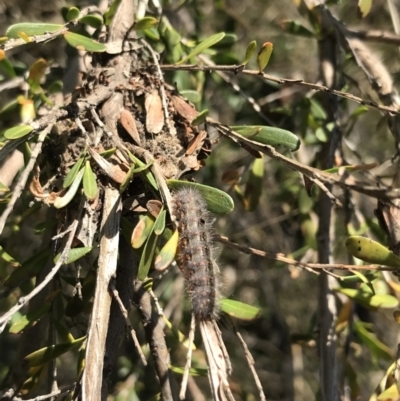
{"x":18,"y":132}
{"x":70,"y":177}
{"x":31,"y":29}
{"x":145,"y":23}
{"x":74,"y":254}
{"x":95,"y":21}
{"x":46,"y":354}
{"x":3,"y":188}
{"x":142,"y":231}
{"x":167,"y":253}
{"x":264,"y":55}
{"x":217,"y":201}
{"x":191,"y":95}
{"x":268,"y":135}
{"x":390,"y":394}
{"x":203,"y":45}
{"x":200,"y":118}
{"x":371,"y":251}
{"x":364,"y":7}
{"x":73,"y":14}
{"x":84,"y":43}
{"x":368,"y":299}
{"x":90,"y":187}
{"x":63,"y":201}
{"x":251,"y":48}
{"x":147,"y":173}
{"x":239,"y":310}
{"x":159,"y":224}
{"x":109,"y":14}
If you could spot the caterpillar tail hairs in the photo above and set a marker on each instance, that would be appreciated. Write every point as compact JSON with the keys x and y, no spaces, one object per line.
{"x":195,"y":259}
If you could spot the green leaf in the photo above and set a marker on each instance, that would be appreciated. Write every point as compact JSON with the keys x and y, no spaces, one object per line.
{"x":18,"y":132}
{"x":46,"y":354}
{"x":264,"y":55}
{"x":203,"y":45}
{"x":167,"y":253}
{"x":159,"y":224}
{"x":73,"y":14}
{"x":268,"y":135}
{"x":74,"y":254}
{"x":217,"y":201}
{"x":7,"y":67}
{"x":142,"y":231}
{"x":145,"y":23}
{"x":364,"y":7}
{"x":296,"y":28}
{"x":95,"y":21}
{"x":251,"y":48}
{"x":202,"y":372}
{"x":82,"y":42}
{"x":368,"y":299}
{"x":191,"y":95}
{"x":89,"y":182}
{"x":63,"y":201}
{"x":70,"y":177}
{"x":147,"y":256}
{"x":148,"y":174}
{"x":377,"y":348}
{"x":29,"y":319}
{"x":31,"y":29}
{"x":109,"y":14}
{"x":371,"y":251}
{"x":254,"y":185}
{"x":3,"y":188}
{"x":239,"y":310}
{"x":200,"y":118}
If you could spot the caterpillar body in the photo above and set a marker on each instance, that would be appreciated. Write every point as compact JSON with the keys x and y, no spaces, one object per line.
{"x":195,"y":253}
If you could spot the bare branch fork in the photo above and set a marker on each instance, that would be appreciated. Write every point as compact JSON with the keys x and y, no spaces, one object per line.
{"x":238,"y":69}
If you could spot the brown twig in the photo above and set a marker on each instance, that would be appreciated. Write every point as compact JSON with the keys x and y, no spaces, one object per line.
{"x":238,"y":69}
{"x":281,"y":258}
{"x":188,"y":359}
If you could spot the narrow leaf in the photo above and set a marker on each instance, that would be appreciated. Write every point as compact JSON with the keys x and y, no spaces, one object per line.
{"x":217,"y":201}
{"x":239,"y":310}
{"x":296,"y":28}
{"x":249,"y":52}
{"x":29,"y":319}
{"x":142,"y":231}
{"x":46,"y":354}
{"x":268,"y":135}
{"x":18,"y":132}
{"x":70,"y":177}
{"x":254,"y":185}
{"x":63,"y":201}
{"x":109,"y":14}
{"x":95,"y":21}
{"x":371,"y":251}
{"x":74,"y":254}
{"x":145,"y":23}
{"x":203,"y":45}
{"x":90,"y":182}
{"x":147,"y":256}
{"x":31,"y":29}
{"x":202,"y":372}
{"x":200,"y":118}
{"x":159,"y":224}
{"x":3,"y":188}
{"x":264,"y":55}
{"x":83,"y":43}
{"x":368,"y":299}
{"x":167,"y":253}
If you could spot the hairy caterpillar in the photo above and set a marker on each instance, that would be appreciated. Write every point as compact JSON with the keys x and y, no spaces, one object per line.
{"x":195,"y":252}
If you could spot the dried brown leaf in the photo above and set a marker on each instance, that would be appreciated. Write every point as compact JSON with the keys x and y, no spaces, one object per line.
{"x":112,"y":171}
{"x":154,"y":206}
{"x":196,"y":143}
{"x":184,"y":109}
{"x":128,"y":122}
{"x":36,"y":188}
{"x":154,"y":112}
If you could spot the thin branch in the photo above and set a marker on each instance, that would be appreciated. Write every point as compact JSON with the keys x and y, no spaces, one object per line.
{"x":377,"y":36}
{"x":19,"y":187}
{"x":281,"y":258}
{"x":238,"y":69}
{"x":22,"y":301}
{"x":188,"y":359}
{"x":127,"y":322}
{"x":251,"y":364}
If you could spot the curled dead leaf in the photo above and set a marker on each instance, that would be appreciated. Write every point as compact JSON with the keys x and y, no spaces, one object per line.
{"x":153,"y":207}
{"x":112,"y":171}
{"x":154,"y":112}
{"x":36,"y":189}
